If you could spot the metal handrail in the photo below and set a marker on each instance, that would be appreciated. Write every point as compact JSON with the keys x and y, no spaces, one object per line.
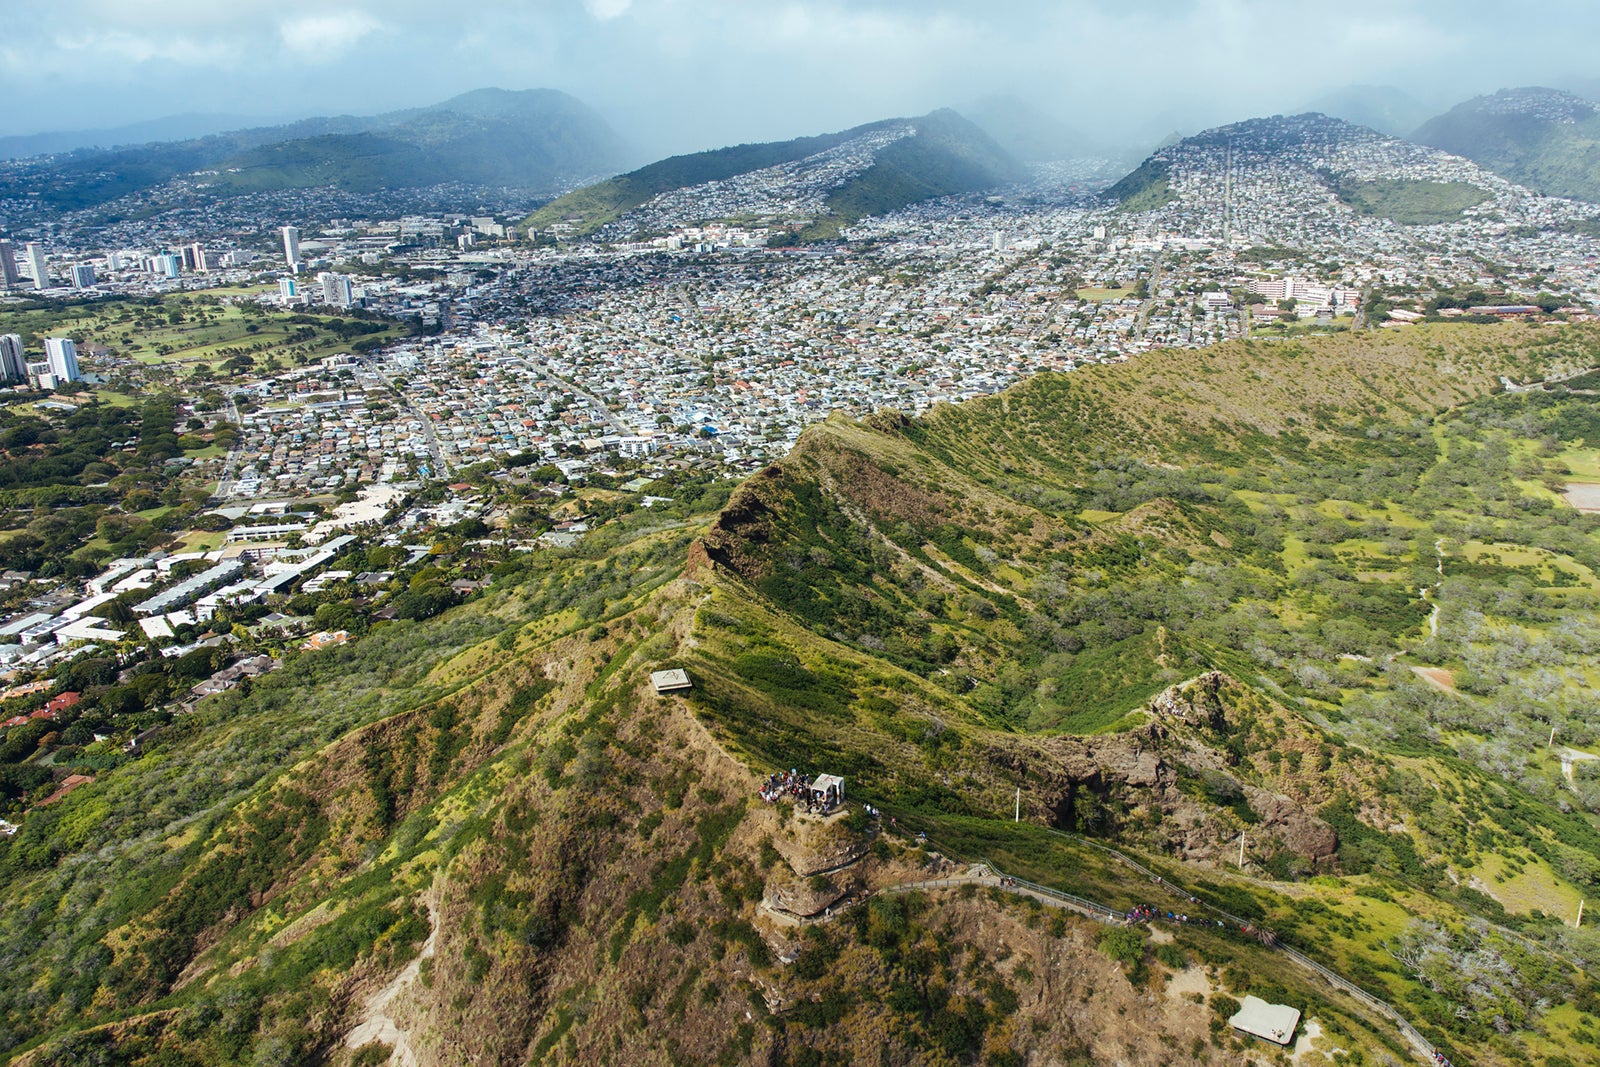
{"x":1106,"y":913}
{"x":1338,"y":981}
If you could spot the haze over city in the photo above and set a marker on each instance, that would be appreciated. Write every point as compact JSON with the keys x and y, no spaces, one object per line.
{"x":674,"y":76}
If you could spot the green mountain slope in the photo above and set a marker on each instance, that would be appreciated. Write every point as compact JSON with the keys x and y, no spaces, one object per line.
{"x":533,"y":139}
{"x":946,"y":155}
{"x":1541,"y":138}
{"x":1144,"y":188}
{"x":595,"y":205}
{"x":1157,"y":606}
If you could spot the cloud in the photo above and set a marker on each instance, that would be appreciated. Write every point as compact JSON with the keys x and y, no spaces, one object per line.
{"x":319,"y":38}
{"x":606,"y":10}
{"x":683,"y":74}
{"x":128,"y":47}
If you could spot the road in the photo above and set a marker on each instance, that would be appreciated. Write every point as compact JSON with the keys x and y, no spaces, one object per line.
{"x":435,"y":453}
{"x":610,"y":418}
{"x":1150,"y":298}
{"x":225,"y":483}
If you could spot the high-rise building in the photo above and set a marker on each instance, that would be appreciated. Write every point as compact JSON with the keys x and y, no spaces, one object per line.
{"x":167,"y":265}
{"x":198,"y":252}
{"x":186,"y":255}
{"x":82,"y":276}
{"x":9,"y":275}
{"x":287,"y":289}
{"x":114,"y":261}
{"x":62,"y":355}
{"x":336,"y":289}
{"x":13,"y":365}
{"x":37,"y":265}
{"x":291,"y":246}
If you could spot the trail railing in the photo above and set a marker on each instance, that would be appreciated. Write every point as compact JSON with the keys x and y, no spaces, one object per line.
{"x":1421,"y":1044}
{"x":997,"y":879}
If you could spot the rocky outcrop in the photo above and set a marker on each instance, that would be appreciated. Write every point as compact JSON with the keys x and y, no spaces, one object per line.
{"x":1177,"y":782}
{"x":1301,"y":832}
{"x":811,"y":846}
{"x":1196,"y":703}
{"x":803,"y":897}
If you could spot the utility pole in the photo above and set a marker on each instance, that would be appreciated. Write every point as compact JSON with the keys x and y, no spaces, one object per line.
{"x":1552,"y":740}
{"x":1241,"y":850}
{"x":1580,"y":914}
{"x":1017,"y":816}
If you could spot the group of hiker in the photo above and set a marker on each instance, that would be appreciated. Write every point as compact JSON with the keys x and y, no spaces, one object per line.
{"x":791,"y":784}
{"x":1144,"y":913}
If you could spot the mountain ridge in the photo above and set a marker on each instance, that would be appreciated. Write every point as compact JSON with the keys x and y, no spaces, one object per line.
{"x":538,"y":139}
{"x":1328,"y":161}
{"x":1542,"y":138}
{"x":885,"y":165}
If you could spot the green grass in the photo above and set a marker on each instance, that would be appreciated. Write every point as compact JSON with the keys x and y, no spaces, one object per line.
{"x":1410,"y":202}
{"x":1583,"y":464}
{"x":209,"y":334}
{"x":1145,"y":189}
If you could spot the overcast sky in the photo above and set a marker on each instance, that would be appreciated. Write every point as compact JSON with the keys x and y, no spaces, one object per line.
{"x":684,"y":74}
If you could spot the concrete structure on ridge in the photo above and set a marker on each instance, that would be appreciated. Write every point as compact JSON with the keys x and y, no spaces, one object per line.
{"x":672,"y":681}
{"x":1269,"y":1022}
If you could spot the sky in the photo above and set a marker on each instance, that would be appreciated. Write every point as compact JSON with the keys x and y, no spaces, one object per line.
{"x":678,"y":75}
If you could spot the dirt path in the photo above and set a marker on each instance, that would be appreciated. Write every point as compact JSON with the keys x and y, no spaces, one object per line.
{"x":1427,"y":591}
{"x":1570,"y":756}
{"x":1309,"y":1033}
{"x":376,"y":1022}
{"x":1437,"y":677}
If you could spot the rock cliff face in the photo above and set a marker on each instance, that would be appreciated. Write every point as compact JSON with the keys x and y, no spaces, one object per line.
{"x":811,"y":846}
{"x":1178,"y":783}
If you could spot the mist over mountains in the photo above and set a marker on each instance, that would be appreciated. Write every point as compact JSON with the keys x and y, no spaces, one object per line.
{"x":537,"y":139}
{"x":543,"y":141}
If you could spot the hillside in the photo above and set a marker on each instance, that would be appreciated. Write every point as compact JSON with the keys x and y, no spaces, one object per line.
{"x":1542,"y":138}
{"x":1160,"y":606}
{"x":1299,"y":179}
{"x":536,"y":139}
{"x":826,"y":181}
{"x":172,"y":128}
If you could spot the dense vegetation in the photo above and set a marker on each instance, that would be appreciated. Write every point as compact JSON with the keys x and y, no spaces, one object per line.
{"x":1145,"y":188}
{"x":948,"y":155}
